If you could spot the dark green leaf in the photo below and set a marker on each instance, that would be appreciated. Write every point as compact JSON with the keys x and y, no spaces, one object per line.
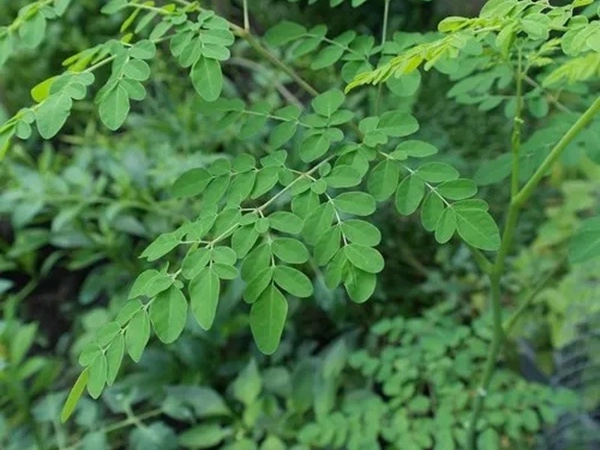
{"x":409,"y":194}
{"x":267,"y":319}
{"x":168,"y":313}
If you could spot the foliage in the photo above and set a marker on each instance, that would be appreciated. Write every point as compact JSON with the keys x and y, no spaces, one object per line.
{"x":294,"y":201}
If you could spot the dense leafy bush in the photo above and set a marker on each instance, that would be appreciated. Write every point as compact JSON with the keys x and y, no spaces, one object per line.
{"x":305,"y":188}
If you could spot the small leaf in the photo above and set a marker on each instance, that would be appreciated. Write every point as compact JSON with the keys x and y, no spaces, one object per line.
{"x":328,"y":102}
{"x":137,"y":335}
{"x":397,"y":124}
{"x":191,"y":183}
{"x":284,"y":32}
{"x":457,"y":189}
{"x":409,"y":194}
{"x":343,"y":176}
{"x":204,"y":297}
{"x":293,"y":281}
{"x":168,"y":313}
{"x":160,"y":247}
{"x":114,"y":107}
{"x":313,"y":147}
{"x":114,"y":357}
{"x":267,"y":319}
{"x":141,"y":283}
{"x":357,"y":203}
{"x":52,"y":114}
{"x":194,"y":262}
{"x":243,"y":240}
{"x":383,"y":180}
{"x":74,"y":396}
{"x":290,"y":250}
{"x":446,"y":226}
{"x":416,"y":149}
{"x":437,"y":172}
{"x":327,"y":245}
{"x":365,"y":258}
{"x":258,"y":284}
{"x":359,"y":284}
{"x":361,"y":232}
{"x":97,"y":376}
{"x":207,"y":78}
{"x":477,"y":228}
{"x":286,"y":222}
{"x":432,"y":209}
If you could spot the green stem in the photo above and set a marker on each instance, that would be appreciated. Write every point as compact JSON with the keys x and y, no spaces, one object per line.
{"x":516,"y":134}
{"x":256,"y":45}
{"x":525,"y":304}
{"x":583,"y":121}
{"x":384,"y":32}
{"x":498,"y":269}
{"x":246,"y":16}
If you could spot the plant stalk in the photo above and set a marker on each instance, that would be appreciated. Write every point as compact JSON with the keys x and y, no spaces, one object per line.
{"x":497,"y":271}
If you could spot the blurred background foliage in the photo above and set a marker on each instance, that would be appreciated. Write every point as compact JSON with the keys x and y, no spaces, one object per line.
{"x":76,"y":212}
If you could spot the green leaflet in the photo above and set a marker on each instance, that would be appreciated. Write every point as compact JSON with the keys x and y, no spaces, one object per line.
{"x":359,"y":284}
{"x":397,"y":124}
{"x":74,"y":395}
{"x":194,"y":262}
{"x":446,"y":226}
{"x":191,"y":183}
{"x":364,"y":258}
{"x":114,"y":357}
{"x":327,"y":103}
{"x":161,"y":246}
{"x":437,"y":172}
{"x":114,"y":107}
{"x":204,"y":296}
{"x":286,"y":222}
{"x":457,"y":189}
{"x":432,"y":209}
{"x":137,"y":335}
{"x":383,"y":179}
{"x":284,"y":32}
{"x":361,"y":232}
{"x":317,"y":221}
{"x":207,"y":78}
{"x":409,"y":194}
{"x":327,"y":245}
{"x":290,"y":250}
{"x":357,"y":203}
{"x":168,"y":313}
{"x":52,"y":114}
{"x":293,"y":281}
{"x":267,"y":319}
{"x":477,"y":227}
{"x":97,"y":376}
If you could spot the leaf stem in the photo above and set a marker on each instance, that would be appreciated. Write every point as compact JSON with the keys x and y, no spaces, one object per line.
{"x":583,"y":121}
{"x":262,"y":51}
{"x":531,"y":296}
{"x":497,"y":271}
{"x":517,"y":125}
{"x":384,"y":32}
{"x":246,"y":16}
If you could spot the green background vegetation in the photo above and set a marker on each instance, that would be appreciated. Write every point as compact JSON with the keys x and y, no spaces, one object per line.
{"x":399,"y":371}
